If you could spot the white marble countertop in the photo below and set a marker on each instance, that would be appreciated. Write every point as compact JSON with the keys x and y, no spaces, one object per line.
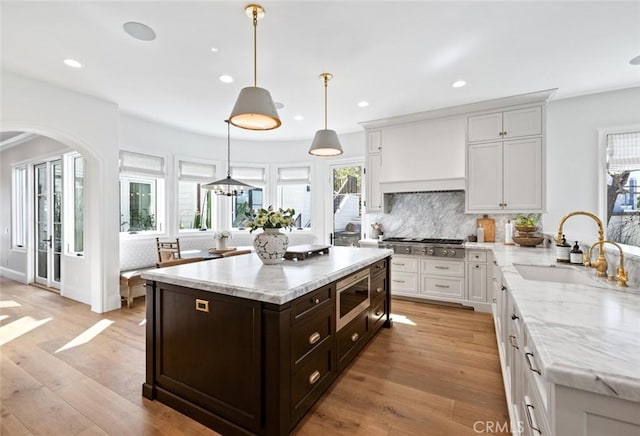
{"x":587,"y":337}
{"x":246,"y":277}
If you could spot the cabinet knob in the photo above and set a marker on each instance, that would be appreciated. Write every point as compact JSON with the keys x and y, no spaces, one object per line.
{"x":378,"y":312}
{"x":503,"y":288}
{"x":378,"y":290}
{"x":504,"y":133}
{"x":315,"y":300}
{"x":477,"y":266}
{"x":514,"y":317}
{"x":314,"y":337}
{"x":355,"y":337}
{"x":314,"y":377}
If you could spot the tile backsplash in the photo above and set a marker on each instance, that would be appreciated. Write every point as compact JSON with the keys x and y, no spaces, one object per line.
{"x":432,"y":214}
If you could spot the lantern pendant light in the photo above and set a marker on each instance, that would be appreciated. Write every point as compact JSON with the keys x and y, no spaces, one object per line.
{"x":254,"y":108}
{"x":228,"y":186}
{"x":325,"y":142}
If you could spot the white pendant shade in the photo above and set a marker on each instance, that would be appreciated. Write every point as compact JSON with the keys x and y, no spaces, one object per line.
{"x":325,"y":143}
{"x":255,"y":110}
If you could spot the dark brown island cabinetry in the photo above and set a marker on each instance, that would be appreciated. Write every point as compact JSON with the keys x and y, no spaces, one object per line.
{"x":242,"y":366}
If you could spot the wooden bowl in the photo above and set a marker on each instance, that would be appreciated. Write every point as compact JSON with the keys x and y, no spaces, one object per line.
{"x":524,"y":241}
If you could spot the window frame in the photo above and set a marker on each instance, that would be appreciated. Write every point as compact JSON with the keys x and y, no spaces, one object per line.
{"x":275,"y":177}
{"x":69,"y":195}
{"x":19,"y":205}
{"x":195,"y":179}
{"x":264,"y":185}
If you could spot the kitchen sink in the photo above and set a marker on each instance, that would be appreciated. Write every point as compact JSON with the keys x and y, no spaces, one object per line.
{"x":553,"y":273}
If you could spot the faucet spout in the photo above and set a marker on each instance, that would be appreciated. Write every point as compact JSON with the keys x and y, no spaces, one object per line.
{"x":580,"y":212}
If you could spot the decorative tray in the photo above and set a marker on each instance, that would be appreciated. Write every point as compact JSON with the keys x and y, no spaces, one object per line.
{"x":302,"y":252}
{"x":528,"y":241}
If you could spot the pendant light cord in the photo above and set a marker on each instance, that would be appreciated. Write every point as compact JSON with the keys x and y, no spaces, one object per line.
{"x":255,"y":47}
{"x":325,"y":102}
{"x":228,"y":148}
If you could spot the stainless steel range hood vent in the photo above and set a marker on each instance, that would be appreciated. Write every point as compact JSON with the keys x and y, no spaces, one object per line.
{"x":432,"y":185}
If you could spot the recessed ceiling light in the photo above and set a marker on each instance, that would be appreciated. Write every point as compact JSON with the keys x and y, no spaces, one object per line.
{"x":363,"y":103}
{"x":458,"y":84}
{"x":73,"y":63}
{"x":279,"y":105}
{"x":225,"y":78}
{"x":298,"y":118}
{"x":213,"y":49}
{"x":635,"y":61}
{"x":139,"y":31}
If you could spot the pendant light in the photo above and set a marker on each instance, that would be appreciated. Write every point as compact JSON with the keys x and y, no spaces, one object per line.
{"x":254,"y":108}
{"x":325,"y":142}
{"x":228,"y":186}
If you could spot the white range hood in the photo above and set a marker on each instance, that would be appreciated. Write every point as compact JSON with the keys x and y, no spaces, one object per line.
{"x":453,"y":184}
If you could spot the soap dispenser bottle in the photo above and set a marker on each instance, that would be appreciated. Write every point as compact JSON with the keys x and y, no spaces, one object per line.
{"x":563,"y":250}
{"x":575,"y":255}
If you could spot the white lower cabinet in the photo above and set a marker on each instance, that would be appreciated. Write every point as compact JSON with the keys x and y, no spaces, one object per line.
{"x":441,"y":279}
{"x":537,"y":407}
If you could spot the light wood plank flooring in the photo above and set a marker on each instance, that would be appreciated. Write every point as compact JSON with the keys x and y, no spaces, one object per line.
{"x":436,"y":374}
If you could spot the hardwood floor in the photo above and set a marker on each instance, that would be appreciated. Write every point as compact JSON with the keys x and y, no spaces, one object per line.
{"x":437,"y":373}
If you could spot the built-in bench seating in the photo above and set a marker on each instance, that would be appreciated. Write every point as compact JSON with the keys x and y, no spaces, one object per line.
{"x":129,"y":279}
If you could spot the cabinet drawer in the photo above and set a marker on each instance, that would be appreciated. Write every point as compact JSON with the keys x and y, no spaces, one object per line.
{"x":351,"y":336}
{"x":378,"y":267}
{"x":378,"y":313}
{"x":310,"y":333}
{"x":443,"y":287}
{"x":404,"y":282}
{"x":404,"y":264}
{"x":443,"y":267}
{"x":310,"y":379}
{"x":311,"y":302}
{"x":379,"y":285}
{"x":476,"y":256}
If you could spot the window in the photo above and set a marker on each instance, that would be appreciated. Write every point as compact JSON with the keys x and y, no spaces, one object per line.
{"x":19,"y":217}
{"x":195,"y":205}
{"x":623,"y":193}
{"x":248,"y":200}
{"x":141,"y":192}
{"x":294,"y":191}
{"x":74,"y":176}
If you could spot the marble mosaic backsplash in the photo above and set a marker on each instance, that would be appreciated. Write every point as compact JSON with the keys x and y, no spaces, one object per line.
{"x":432,"y":215}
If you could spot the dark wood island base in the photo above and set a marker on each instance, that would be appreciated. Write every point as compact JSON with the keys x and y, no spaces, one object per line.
{"x":247,"y":367}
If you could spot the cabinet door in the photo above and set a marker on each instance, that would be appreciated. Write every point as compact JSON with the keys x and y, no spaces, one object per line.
{"x":522,"y":122}
{"x":486,"y":127}
{"x":484,"y":176}
{"x":477,"y":282}
{"x":374,"y":141}
{"x":523,"y":174}
{"x":373,"y":195}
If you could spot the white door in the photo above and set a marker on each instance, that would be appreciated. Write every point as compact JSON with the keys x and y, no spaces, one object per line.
{"x":522,"y":122}
{"x":48,"y":222}
{"x":523,"y":174}
{"x":484,"y":177}
{"x":373,"y":193}
{"x":486,"y":127}
{"x":346,"y":204}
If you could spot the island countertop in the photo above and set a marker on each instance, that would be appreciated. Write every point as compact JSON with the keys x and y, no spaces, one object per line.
{"x":246,"y":277}
{"x":587,"y":337}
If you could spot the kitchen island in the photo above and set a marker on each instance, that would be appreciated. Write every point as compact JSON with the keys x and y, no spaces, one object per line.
{"x":246,"y":348}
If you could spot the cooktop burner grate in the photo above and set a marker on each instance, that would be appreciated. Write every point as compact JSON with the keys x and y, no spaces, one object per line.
{"x":426,"y":240}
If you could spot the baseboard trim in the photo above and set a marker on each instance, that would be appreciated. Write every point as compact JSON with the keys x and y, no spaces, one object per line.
{"x":13,"y":275}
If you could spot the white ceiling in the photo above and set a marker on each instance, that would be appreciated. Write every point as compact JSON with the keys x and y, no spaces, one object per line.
{"x":399,"y":56}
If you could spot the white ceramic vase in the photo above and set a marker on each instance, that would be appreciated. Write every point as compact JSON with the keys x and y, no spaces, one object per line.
{"x":270,"y":246}
{"x":221,"y":243}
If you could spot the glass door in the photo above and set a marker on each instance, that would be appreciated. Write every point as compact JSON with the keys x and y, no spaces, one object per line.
{"x":346,"y":182}
{"x":48,"y":222}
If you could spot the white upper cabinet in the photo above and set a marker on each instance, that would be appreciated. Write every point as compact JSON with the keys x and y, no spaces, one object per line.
{"x":374,"y":141}
{"x":505,"y":161}
{"x":505,"y":125}
{"x":373,"y":195}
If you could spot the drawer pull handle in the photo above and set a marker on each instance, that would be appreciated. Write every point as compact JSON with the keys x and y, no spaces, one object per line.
{"x":514,"y":317}
{"x":530,"y":419}
{"x":202,"y":305}
{"x":503,"y":288}
{"x":513,"y":342}
{"x":315,"y":337}
{"x":378,"y":290}
{"x":378,"y":312}
{"x":314,"y":377}
{"x":442,"y":286}
{"x":399,"y":264}
{"x":441,"y":267}
{"x":355,"y":337}
{"x":315,"y":300}
{"x":379,"y":266}
{"x":528,"y":357}
{"x":398,"y":281}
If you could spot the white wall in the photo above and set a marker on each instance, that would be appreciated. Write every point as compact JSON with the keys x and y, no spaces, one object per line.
{"x":572,"y":155}
{"x":90,"y":126}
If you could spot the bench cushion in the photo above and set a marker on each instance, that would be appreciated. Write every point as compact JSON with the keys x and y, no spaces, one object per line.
{"x":132,"y":277}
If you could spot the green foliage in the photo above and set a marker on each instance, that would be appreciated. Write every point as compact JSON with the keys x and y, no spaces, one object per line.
{"x":270,"y":219}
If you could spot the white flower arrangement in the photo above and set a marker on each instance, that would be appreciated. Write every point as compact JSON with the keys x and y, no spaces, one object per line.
{"x":222,"y":234}
{"x":270,"y":219}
